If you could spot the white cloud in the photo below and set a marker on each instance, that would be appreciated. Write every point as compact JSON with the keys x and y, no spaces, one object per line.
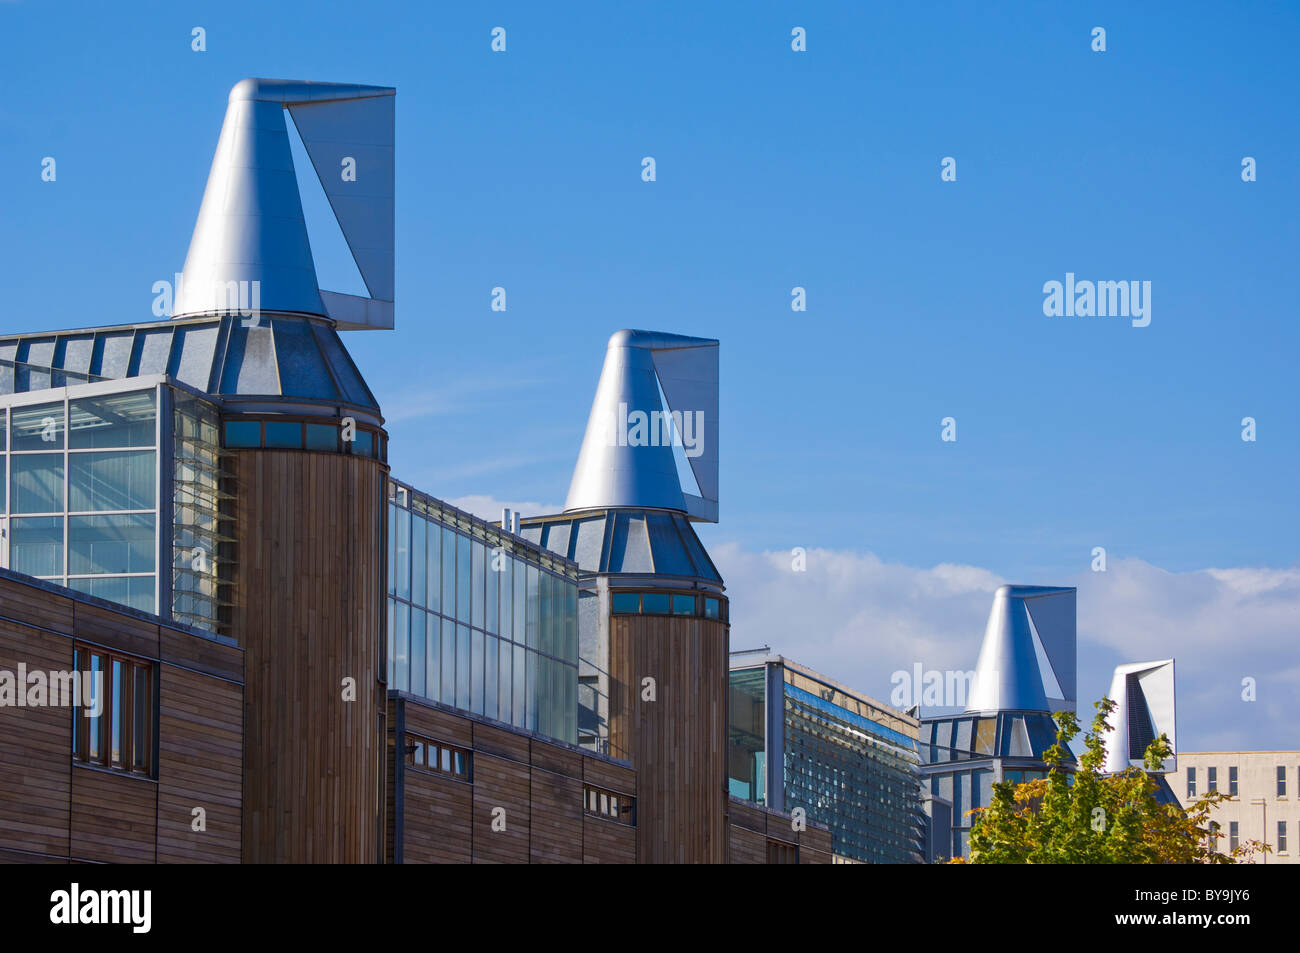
{"x":489,"y":508}
{"x":859,"y":619}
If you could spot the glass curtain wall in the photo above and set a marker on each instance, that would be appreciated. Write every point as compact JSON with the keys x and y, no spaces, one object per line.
{"x":478,"y":628}
{"x":197,"y":539}
{"x":80,"y":493}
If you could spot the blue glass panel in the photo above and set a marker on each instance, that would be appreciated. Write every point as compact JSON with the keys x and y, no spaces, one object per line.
{"x":243,"y":434}
{"x":418,"y":665}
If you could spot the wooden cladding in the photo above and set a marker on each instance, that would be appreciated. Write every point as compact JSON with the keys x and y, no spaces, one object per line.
{"x":309,"y":604}
{"x":524,"y":803}
{"x":54,"y":807}
{"x":674,"y":730}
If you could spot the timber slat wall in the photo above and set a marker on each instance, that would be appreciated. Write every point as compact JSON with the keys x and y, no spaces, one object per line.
{"x":677,"y":743}
{"x":53,"y":810}
{"x":539,"y":785}
{"x":309,"y":608}
{"x":752,"y":826}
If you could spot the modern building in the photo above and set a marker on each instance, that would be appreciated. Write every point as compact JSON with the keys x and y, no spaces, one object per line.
{"x":797,"y":740}
{"x":1025,"y":672}
{"x":1264,"y":787}
{"x":330,"y":664}
{"x":652,"y":612}
{"x":1143,"y":693}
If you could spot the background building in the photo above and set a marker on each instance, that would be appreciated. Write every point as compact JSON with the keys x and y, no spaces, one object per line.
{"x":1026,"y":670}
{"x":1265,"y":791}
{"x":797,"y":739}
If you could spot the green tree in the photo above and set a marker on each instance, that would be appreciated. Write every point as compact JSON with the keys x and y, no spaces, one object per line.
{"x":1089,"y":817}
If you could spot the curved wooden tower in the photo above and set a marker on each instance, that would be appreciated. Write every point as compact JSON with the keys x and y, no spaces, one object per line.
{"x":308,"y":613}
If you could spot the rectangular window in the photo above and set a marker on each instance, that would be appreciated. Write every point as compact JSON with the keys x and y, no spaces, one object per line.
{"x":519,"y":676}
{"x":463,"y":668}
{"x":683,"y":605}
{"x":477,"y":695}
{"x":1191,"y":782}
{"x":419,"y":543}
{"x":438,"y":757}
{"x":448,"y":573}
{"x":120,"y":734}
{"x":433,"y":663}
{"x":1233,"y":838}
{"x":111,"y":480}
{"x":1211,"y":779}
{"x":655,"y":603}
{"x":1281,"y":780}
{"x":111,"y":544}
{"x":627,"y":602}
{"x":779,"y":852}
{"x":115,"y":420}
{"x":506,"y":692}
{"x":434,"y":569}
{"x":402,"y":553}
{"x":490,"y":695}
{"x":532,"y":634}
{"x":364,"y":444}
{"x":478,"y":580}
{"x":448,"y":662}
{"x":605,"y":803}
{"x":37,"y":482}
{"x":464,"y":574}
{"x":546,"y":612}
{"x":1281,"y":837}
{"x":712,"y":608}
{"x":36,"y":545}
{"x":505,"y":581}
{"x":39,"y":427}
{"x":243,"y":434}
{"x":1232,"y":781}
{"x":418,"y":666}
{"x":282,"y":435}
{"x":323,"y":437}
{"x":402,"y":641}
{"x":520,"y":600}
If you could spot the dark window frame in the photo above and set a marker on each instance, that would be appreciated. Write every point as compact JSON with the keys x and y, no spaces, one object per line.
{"x":83,"y":654}
{"x":608,"y":804}
{"x":417,"y":748}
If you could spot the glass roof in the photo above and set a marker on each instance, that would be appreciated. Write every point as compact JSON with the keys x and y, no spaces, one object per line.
{"x":271,"y":356}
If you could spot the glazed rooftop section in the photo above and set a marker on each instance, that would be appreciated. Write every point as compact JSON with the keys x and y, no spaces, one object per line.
{"x":105,"y":485}
{"x":480,"y":619}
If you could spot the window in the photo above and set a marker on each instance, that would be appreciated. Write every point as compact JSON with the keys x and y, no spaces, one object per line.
{"x":605,"y":803}
{"x":1191,"y":782}
{"x":712,"y":608}
{"x":1211,"y":779}
{"x":241,"y":434}
{"x":1232,"y":781}
{"x":626,"y":602}
{"x":323,"y":437}
{"x":438,"y":757}
{"x":1281,"y":837}
{"x":779,"y":852}
{"x":683,"y":605}
{"x":116,"y":729}
{"x":1281,"y":780}
{"x":1233,"y":835}
{"x":655,"y":603}
{"x":281,"y":435}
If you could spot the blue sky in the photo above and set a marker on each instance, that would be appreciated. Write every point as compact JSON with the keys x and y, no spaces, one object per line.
{"x":775,"y":169}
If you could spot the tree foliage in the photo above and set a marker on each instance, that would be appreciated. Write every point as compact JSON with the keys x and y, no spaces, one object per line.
{"x":1090,"y":817}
